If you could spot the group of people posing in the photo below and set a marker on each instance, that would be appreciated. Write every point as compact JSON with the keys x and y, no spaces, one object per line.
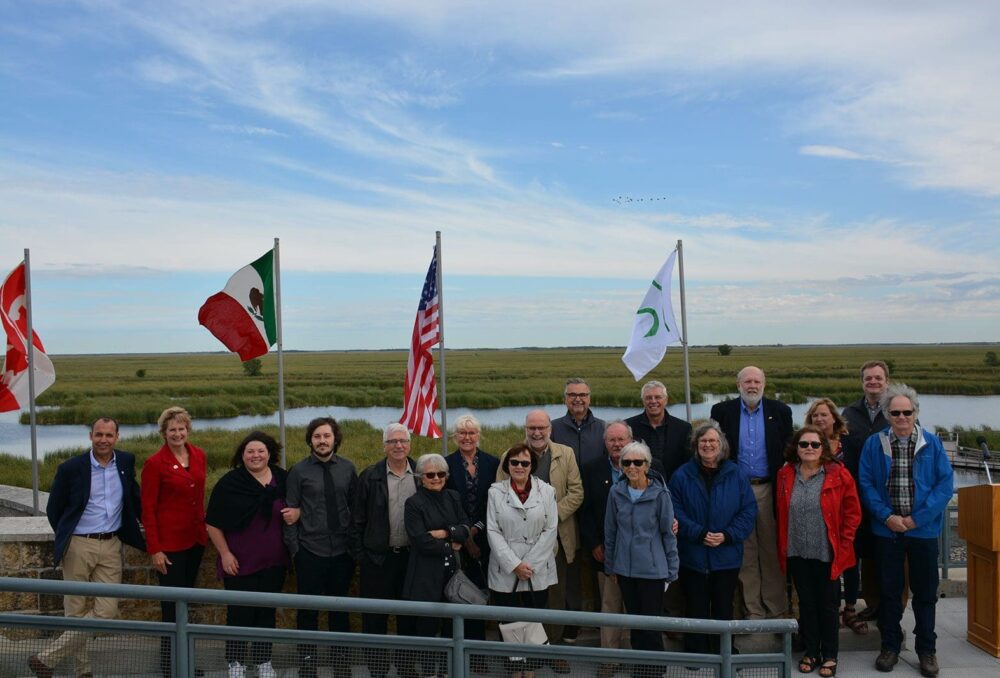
{"x":731,"y":508}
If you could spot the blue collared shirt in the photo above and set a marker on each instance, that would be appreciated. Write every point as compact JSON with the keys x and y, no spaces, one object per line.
{"x":104,"y":506}
{"x":752,"y":456}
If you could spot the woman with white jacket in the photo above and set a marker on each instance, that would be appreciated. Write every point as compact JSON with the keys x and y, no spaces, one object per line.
{"x":521,"y":524}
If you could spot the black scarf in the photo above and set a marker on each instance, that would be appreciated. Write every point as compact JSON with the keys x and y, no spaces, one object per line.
{"x":238,"y":497}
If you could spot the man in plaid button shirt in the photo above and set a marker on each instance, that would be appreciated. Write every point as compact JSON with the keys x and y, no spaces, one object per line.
{"x":905,"y":480}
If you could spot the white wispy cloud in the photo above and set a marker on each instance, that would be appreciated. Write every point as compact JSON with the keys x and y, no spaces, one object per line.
{"x":834,"y":152}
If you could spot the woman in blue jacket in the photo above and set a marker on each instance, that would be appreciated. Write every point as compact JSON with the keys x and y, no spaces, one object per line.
{"x":640,"y":550}
{"x":716,"y":510}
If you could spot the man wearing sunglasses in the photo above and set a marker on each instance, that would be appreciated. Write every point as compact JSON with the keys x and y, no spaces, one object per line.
{"x":906,"y":481}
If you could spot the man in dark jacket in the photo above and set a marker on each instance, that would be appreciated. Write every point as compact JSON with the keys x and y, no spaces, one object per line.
{"x":757,"y":430}
{"x":579,"y":428}
{"x":667,"y":439}
{"x":666,"y":435}
{"x":582,"y":431}
{"x":865,"y":418}
{"x":382,"y":543}
{"x":93,"y":508}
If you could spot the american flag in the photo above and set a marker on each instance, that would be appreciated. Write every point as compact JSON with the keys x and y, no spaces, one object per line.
{"x":420,"y":393}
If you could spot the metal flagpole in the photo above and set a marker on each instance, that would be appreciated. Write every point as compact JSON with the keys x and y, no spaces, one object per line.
{"x":441,"y":386}
{"x":684,"y":329}
{"x":281,"y":355}
{"x":31,"y":381}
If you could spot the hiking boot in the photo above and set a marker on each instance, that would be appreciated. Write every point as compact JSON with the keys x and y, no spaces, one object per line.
{"x":928,"y":665}
{"x":886,"y":660}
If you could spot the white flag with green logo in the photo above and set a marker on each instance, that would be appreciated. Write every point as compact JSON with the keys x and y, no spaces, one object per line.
{"x":654,"y":328}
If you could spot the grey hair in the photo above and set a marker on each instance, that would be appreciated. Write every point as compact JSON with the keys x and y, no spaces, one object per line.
{"x":620,"y":422}
{"x":650,"y":385}
{"x":435,"y":461}
{"x":575,"y":380}
{"x":896,"y":389}
{"x":698,"y":433}
{"x":640,"y":448}
{"x":466,"y":421}
{"x":394,"y":428}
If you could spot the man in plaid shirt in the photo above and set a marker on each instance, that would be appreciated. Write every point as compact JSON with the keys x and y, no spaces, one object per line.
{"x":905,"y":480}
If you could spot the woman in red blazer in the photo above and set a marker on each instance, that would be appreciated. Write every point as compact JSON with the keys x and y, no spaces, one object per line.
{"x":818,"y":515}
{"x":173,"y":510}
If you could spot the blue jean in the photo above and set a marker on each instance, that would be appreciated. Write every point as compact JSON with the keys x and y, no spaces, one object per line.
{"x":921,"y":558}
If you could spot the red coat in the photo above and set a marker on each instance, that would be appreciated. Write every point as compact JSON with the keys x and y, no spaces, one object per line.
{"x":841,"y":513}
{"x":173,"y":501}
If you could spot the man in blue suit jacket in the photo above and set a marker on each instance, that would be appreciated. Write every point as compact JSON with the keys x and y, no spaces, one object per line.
{"x":757,"y":430}
{"x":93,"y":508}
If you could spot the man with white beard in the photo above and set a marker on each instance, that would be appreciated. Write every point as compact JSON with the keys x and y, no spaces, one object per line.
{"x":757,"y":429}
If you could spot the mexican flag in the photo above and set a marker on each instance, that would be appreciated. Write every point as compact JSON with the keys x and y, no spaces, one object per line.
{"x":242,"y":316}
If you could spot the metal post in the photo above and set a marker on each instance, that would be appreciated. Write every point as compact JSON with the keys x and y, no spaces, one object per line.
{"x":786,"y":638}
{"x":726,"y":653}
{"x":457,"y":647}
{"x":441,"y":387}
{"x":281,"y":354}
{"x":684,"y":328}
{"x":183,"y":664}
{"x":30,"y":350}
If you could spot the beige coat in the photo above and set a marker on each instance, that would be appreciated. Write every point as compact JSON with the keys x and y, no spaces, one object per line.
{"x":564,"y":476}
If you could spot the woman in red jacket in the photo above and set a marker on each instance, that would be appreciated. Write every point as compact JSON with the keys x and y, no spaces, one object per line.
{"x":818,"y":515}
{"x":173,"y":510}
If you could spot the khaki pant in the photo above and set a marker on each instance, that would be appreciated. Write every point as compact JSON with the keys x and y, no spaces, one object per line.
{"x":761,"y":581}
{"x":96,"y":560}
{"x":614,"y":637}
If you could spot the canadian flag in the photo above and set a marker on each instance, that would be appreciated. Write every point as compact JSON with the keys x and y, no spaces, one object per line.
{"x":14,"y":317}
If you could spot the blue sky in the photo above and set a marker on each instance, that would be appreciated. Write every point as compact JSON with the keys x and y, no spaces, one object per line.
{"x":833,"y":169}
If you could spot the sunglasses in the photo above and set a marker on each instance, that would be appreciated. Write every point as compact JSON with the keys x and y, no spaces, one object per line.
{"x":900,"y":413}
{"x":806,"y":444}
{"x":436,"y":474}
{"x":526,"y":463}
{"x":633,"y":462}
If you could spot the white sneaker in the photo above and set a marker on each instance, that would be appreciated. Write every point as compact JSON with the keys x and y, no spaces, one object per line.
{"x":237,"y":670}
{"x":265,"y":670}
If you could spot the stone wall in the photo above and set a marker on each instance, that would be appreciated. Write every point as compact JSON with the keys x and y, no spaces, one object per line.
{"x":26,"y":544}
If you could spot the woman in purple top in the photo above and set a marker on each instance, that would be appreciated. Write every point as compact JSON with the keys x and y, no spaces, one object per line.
{"x":245,"y":516}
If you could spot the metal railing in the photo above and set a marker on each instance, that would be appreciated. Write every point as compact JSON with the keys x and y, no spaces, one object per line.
{"x":191,"y":643}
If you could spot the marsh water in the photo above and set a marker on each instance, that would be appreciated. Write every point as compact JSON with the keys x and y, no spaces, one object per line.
{"x":935,"y":410}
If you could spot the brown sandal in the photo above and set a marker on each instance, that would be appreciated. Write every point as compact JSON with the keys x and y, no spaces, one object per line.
{"x":852,"y":620}
{"x":808,"y":664}
{"x":828,"y":669}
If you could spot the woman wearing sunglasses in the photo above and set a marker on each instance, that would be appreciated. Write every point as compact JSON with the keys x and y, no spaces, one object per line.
{"x":521,"y":523}
{"x":818,"y":516}
{"x":437,"y":527}
{"x":640,"y":549}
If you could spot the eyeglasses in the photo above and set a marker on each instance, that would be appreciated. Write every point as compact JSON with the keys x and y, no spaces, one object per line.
{"x":535,"y":429}
{"x":397,"y":441}
{"x":466,"y":434}
{"x":436,"y":474}
{"x":633,"y":462}
{"x":900,"y":413}
{"x":574,"y":396}
{"x":526,"y":463}
{"x":806,"y":444}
